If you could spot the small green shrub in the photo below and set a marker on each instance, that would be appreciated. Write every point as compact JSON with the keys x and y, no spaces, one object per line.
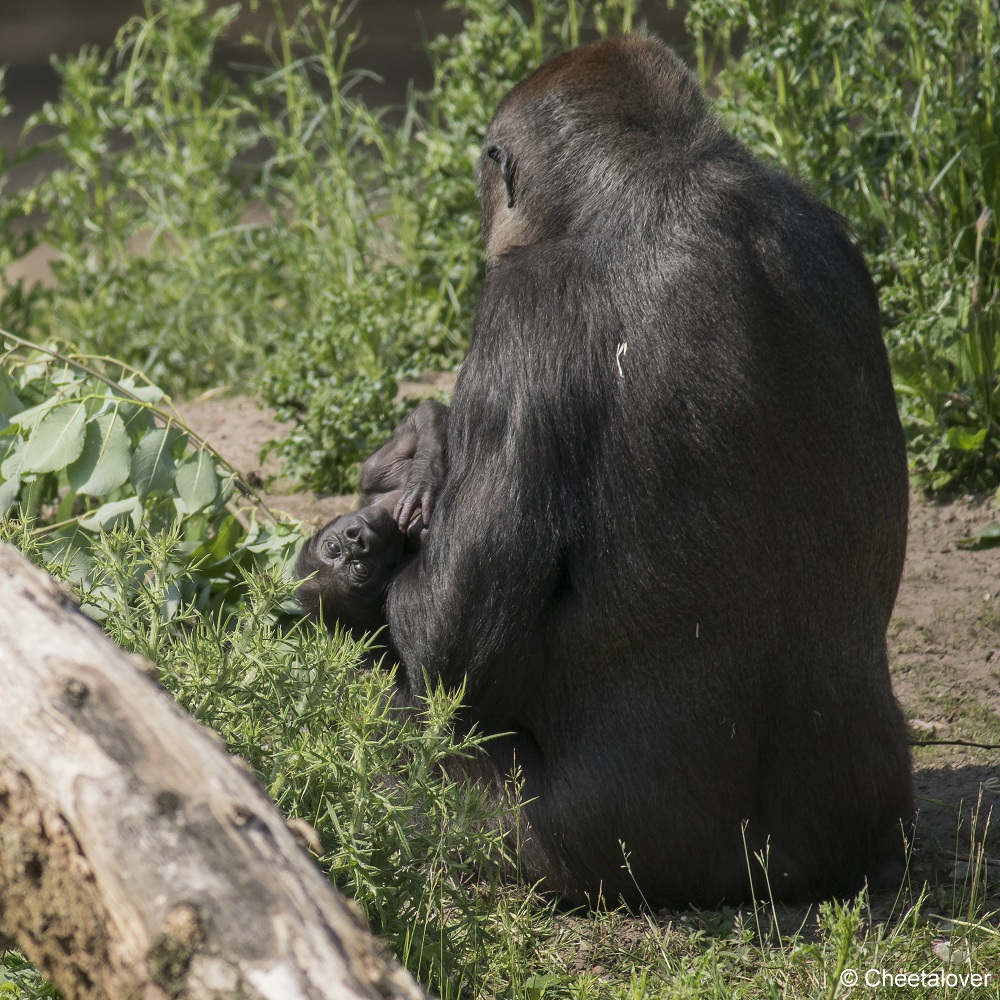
{"x":398,"y":836}
{"x":146,"y":206}
{"x":405,"y":841}
{"x":103,"y":486}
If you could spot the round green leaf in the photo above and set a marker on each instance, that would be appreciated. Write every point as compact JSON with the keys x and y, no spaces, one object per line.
{"x":13,"y":465}
{"x":105,"y":462}
{"x":9,"y":490}
{"x":148,"y":393}
{"x":197,"y":482}
{"x":108,"y":515}
{"x":57,"y":440}
{"x":153,"y":465}
{"x":139,"y":420}
{"x":9,"y":403}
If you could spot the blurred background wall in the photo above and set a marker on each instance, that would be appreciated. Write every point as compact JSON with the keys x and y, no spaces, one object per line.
{"x":31,"y":31}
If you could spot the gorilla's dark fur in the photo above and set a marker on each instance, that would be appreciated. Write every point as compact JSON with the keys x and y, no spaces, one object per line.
{"x":673,"y":523}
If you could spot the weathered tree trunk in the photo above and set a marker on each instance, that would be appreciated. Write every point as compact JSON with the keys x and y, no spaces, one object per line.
{"x":137,"y":858}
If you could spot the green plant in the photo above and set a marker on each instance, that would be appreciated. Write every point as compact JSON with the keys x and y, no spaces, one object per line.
{"x":19,"y":980}
{"x":146,"y":208}
{"x":207,"y":220}
{"x":891,"y":112}
{"x":105,"y":487}
{"x":88,"y":445}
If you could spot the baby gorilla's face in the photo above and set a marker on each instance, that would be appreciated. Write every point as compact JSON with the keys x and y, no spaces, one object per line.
{"x":352,"y":557}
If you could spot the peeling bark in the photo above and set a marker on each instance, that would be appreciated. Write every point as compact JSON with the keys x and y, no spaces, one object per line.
{"x":138,"y":859}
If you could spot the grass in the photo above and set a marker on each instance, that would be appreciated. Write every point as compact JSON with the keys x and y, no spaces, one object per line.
{"x":409,"y":845}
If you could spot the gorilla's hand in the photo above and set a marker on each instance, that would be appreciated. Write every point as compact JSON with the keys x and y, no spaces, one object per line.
{"x":414,"y":508}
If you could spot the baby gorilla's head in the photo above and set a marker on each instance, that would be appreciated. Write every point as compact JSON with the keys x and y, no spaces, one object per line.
{"x":351,"y":560}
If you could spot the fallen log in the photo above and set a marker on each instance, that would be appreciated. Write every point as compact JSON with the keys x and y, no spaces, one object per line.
{"x":138,"y":859}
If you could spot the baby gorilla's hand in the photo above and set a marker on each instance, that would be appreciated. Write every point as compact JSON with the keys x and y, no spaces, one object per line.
{"x":423,"y":483}
{"x":413,"y":511}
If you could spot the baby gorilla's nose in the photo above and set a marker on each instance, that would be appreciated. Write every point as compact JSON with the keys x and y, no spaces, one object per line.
{"x":354,"y":533}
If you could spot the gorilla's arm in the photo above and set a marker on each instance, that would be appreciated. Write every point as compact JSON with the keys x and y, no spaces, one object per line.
{"x":407,"y":472}
{"x":493,"y":563}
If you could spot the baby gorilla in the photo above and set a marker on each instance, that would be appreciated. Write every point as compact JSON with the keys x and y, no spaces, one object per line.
{"x":350,"y":561}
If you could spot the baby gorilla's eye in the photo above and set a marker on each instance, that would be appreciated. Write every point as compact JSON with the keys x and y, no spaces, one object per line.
{"x":331,"y":548}
{"x":361,"y":571}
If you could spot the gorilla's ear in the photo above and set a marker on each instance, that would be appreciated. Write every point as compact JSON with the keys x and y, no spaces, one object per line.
{"x":507,"y":167}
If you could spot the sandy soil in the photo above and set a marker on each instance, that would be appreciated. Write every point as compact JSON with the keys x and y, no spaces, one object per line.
{"x":238,"y":428}
{"x":944,"y":643}
{"x":944,"y":640}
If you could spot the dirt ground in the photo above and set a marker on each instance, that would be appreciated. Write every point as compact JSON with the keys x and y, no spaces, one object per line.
{"x":944,"y":639}
{"x":238,"y":428}
{"x":944,"y":645}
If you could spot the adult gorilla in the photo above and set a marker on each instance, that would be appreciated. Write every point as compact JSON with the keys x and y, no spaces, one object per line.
{"x":673,"y":523}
